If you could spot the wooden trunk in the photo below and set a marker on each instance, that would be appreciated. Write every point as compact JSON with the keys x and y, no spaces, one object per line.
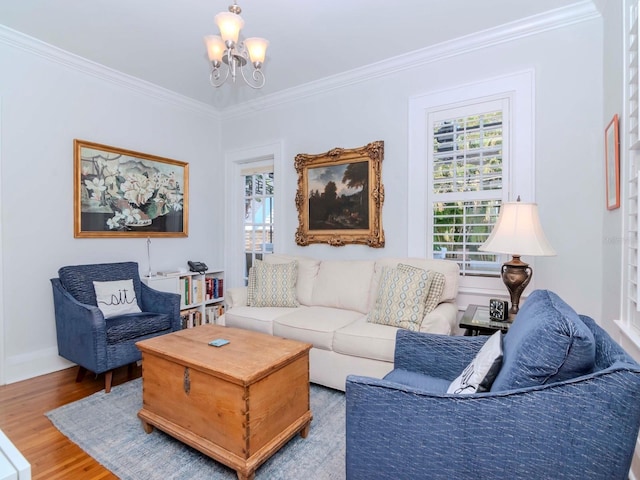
{"x":238,"y":403}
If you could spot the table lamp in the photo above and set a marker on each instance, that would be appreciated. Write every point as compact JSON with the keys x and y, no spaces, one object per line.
{"x":518,"y":229}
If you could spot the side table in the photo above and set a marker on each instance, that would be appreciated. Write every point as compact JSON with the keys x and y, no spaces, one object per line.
{"x":476,"y":321}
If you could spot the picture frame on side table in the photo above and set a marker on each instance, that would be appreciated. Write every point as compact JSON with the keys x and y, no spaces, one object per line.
{"x":612,"y":163}
{"x":122,"y":193}
{"x":340,"y":196}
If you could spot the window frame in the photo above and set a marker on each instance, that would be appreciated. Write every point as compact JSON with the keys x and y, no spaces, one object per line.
{"x":519,"y":89}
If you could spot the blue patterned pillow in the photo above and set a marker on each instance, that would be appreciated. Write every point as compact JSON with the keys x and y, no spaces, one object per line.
{"x":275,"y":284}
{"x":401,"y":296}
{"x":547,"y":343}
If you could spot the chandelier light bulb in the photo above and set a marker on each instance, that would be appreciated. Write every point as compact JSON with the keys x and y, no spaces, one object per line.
{"x":230,"y":25}
{"x":257,"y":48}
{"x":215,"y":48}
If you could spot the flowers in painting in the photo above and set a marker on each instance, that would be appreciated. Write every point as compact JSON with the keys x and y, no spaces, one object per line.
{"x":133,"y":192}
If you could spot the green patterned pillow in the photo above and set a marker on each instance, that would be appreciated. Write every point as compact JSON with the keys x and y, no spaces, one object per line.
{"x":435,"y":291}
{"x":400,"y":300}
{"x":275,"y":285}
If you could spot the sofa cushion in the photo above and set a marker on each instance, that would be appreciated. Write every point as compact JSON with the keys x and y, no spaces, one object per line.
{"x":307,"y":272}
{"x":417,"y":380}
{"x":401,"y":296}
{"x":116,"y":298}
{"x":481,"y":372}
{"x":547,"y":343}
{"x":256,"y":319}
{"x":343,"y":284}
{"x":275,"y":284}
{"x":366,"y":340}
{"x":315,"y":325}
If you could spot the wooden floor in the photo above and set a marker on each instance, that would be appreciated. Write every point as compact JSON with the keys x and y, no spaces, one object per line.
{"x":51,"y":455}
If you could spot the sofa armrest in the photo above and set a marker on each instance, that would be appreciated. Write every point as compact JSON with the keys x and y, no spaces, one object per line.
{"x":155,"y":301}
{"x":566,"y":430}
{"x":443,"y":319}
{"x":80,"y":330}
{"x":439,"y":356}
{"x":236,"y":297}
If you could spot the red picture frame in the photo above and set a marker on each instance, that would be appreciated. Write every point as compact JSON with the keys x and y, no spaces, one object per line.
{"x":612,"y":163}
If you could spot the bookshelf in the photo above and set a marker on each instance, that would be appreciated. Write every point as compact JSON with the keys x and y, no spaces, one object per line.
{"x":201,"y":294}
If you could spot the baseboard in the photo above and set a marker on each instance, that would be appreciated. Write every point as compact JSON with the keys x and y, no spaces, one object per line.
{"x":34,"y":364}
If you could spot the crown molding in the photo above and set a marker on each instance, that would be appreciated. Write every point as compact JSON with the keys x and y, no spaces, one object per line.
{"x":69,"y":60}
{"x":579,"y":12}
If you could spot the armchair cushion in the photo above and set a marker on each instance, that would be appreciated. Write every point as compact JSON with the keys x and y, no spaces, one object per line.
{"x":547,"y":343}
{"x":78,"y":279}
{"x":417,"y":380}
{"x":135,"y":325}
{"x":116,"y":298}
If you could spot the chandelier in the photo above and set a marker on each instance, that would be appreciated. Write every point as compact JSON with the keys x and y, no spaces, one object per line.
{"x":228,"y":55}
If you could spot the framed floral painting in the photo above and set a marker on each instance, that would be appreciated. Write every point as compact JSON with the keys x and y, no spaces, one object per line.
{"x":340,"y":196}
{"x":121,"y":193}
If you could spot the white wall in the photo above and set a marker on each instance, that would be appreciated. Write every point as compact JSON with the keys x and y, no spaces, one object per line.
{"x":568,"y":144}
{"x":612,"y":242}
{"x":48,"y":99}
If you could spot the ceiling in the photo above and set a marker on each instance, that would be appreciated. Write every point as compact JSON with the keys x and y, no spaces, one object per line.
{"x":161,"y":41}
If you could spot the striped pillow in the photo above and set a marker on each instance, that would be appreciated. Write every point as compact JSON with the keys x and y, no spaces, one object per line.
{"x":435,"y":291}
{"x":275,"y":285}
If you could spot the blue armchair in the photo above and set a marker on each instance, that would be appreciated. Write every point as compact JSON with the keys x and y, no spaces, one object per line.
{"x":583,"y":427}
{"x":97,"y":344}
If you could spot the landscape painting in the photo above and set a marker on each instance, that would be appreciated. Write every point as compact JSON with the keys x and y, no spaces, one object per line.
{"x":340,"y":196}
{"x":122,"y":193}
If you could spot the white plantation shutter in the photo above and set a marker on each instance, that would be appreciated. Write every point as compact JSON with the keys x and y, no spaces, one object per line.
{"x":630,"y":145}
{"x":467,"y":167}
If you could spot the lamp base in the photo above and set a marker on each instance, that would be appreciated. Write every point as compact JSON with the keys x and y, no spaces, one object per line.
{"x":516,"y":275}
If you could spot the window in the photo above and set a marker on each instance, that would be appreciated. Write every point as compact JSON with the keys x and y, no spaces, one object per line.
{"x":470,"y":149}
{"x":251,"y":200}
{"x":258,"y":214}
{"x":466,"y":163}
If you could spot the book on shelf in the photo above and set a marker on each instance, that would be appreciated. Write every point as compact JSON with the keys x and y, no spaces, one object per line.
{"x":191,"y":318}
{"x":213,"y":312}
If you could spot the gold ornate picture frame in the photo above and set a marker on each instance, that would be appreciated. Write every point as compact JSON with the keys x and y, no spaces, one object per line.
{"x":122,"y":193}
{"x":340,"y":196}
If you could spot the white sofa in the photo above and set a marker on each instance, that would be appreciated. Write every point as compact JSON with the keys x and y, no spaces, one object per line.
{"x":335,"y":297}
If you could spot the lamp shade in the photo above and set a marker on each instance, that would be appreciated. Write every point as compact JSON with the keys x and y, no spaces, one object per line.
{"x":230,"y":25}
{"x":518,"y":232}
{"x":215,"y":47}
{"x":257,"y":48}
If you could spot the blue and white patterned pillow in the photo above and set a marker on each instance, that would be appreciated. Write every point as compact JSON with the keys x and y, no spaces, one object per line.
{"x":275,"y":285}
{"x":401,"y":296}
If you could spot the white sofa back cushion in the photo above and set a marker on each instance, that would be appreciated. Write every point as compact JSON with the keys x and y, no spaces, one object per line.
{"x":344,"y":284}
{"x":307,"y":272}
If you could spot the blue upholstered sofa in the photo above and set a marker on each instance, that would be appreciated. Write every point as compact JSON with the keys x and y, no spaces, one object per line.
{"x":100,"y":344}
{"x":565,"y":404}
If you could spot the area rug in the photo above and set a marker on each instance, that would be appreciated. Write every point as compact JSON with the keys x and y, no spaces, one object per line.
{"x":106,"y":426}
